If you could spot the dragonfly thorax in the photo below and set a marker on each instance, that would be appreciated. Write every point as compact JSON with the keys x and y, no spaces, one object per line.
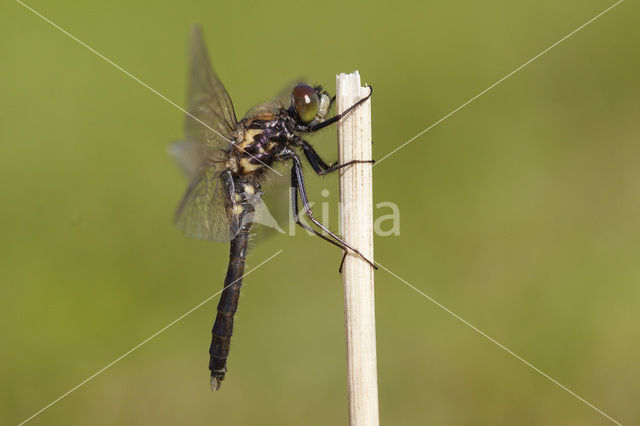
{"x":259,"y":144}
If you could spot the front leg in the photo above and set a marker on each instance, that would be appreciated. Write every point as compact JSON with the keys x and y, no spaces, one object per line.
{"x":318,"y":164}
{"x":335,"y":118}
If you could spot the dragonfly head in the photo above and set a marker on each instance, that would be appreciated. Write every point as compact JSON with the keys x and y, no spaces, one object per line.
{"x":311,"y":104}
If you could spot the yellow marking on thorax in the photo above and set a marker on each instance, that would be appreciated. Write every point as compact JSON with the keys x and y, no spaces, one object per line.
{"x":248,"y":166}
{"x":248,"y":137}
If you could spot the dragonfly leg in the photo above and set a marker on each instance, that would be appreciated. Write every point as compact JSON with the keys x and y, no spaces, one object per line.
{"x":338,"y":116}
{"x":319,"y":165}
{"x":296,"y":217}
{"x":297,"y":182}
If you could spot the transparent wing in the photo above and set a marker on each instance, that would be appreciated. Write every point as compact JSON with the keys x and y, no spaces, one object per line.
{"x":273,"y":211}
{"x":211,"y":119}
{"x":208,"y":205}
{"x":273,"y":106}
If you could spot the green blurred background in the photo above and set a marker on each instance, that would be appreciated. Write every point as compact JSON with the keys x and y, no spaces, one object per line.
{"x":519,"y":213}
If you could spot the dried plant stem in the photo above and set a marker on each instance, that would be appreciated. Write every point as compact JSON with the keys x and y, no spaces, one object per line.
{"x":356,"y":223}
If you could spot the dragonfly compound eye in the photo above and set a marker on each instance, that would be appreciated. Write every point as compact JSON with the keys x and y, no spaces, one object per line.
{"x":306,"y":101}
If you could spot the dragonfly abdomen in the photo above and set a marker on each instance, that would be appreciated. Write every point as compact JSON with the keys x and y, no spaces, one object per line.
{"x":228,"y":305}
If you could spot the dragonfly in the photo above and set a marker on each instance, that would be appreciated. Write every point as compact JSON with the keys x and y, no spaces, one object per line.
{"x":227,"y":160}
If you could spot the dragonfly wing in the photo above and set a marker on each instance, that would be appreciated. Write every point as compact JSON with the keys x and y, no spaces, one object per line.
{"x":192,"y":156}
{"x":273,"y":106}
{"x":211,"y":118}
{"x":208,"y":205}
{"x":273,"y":211}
